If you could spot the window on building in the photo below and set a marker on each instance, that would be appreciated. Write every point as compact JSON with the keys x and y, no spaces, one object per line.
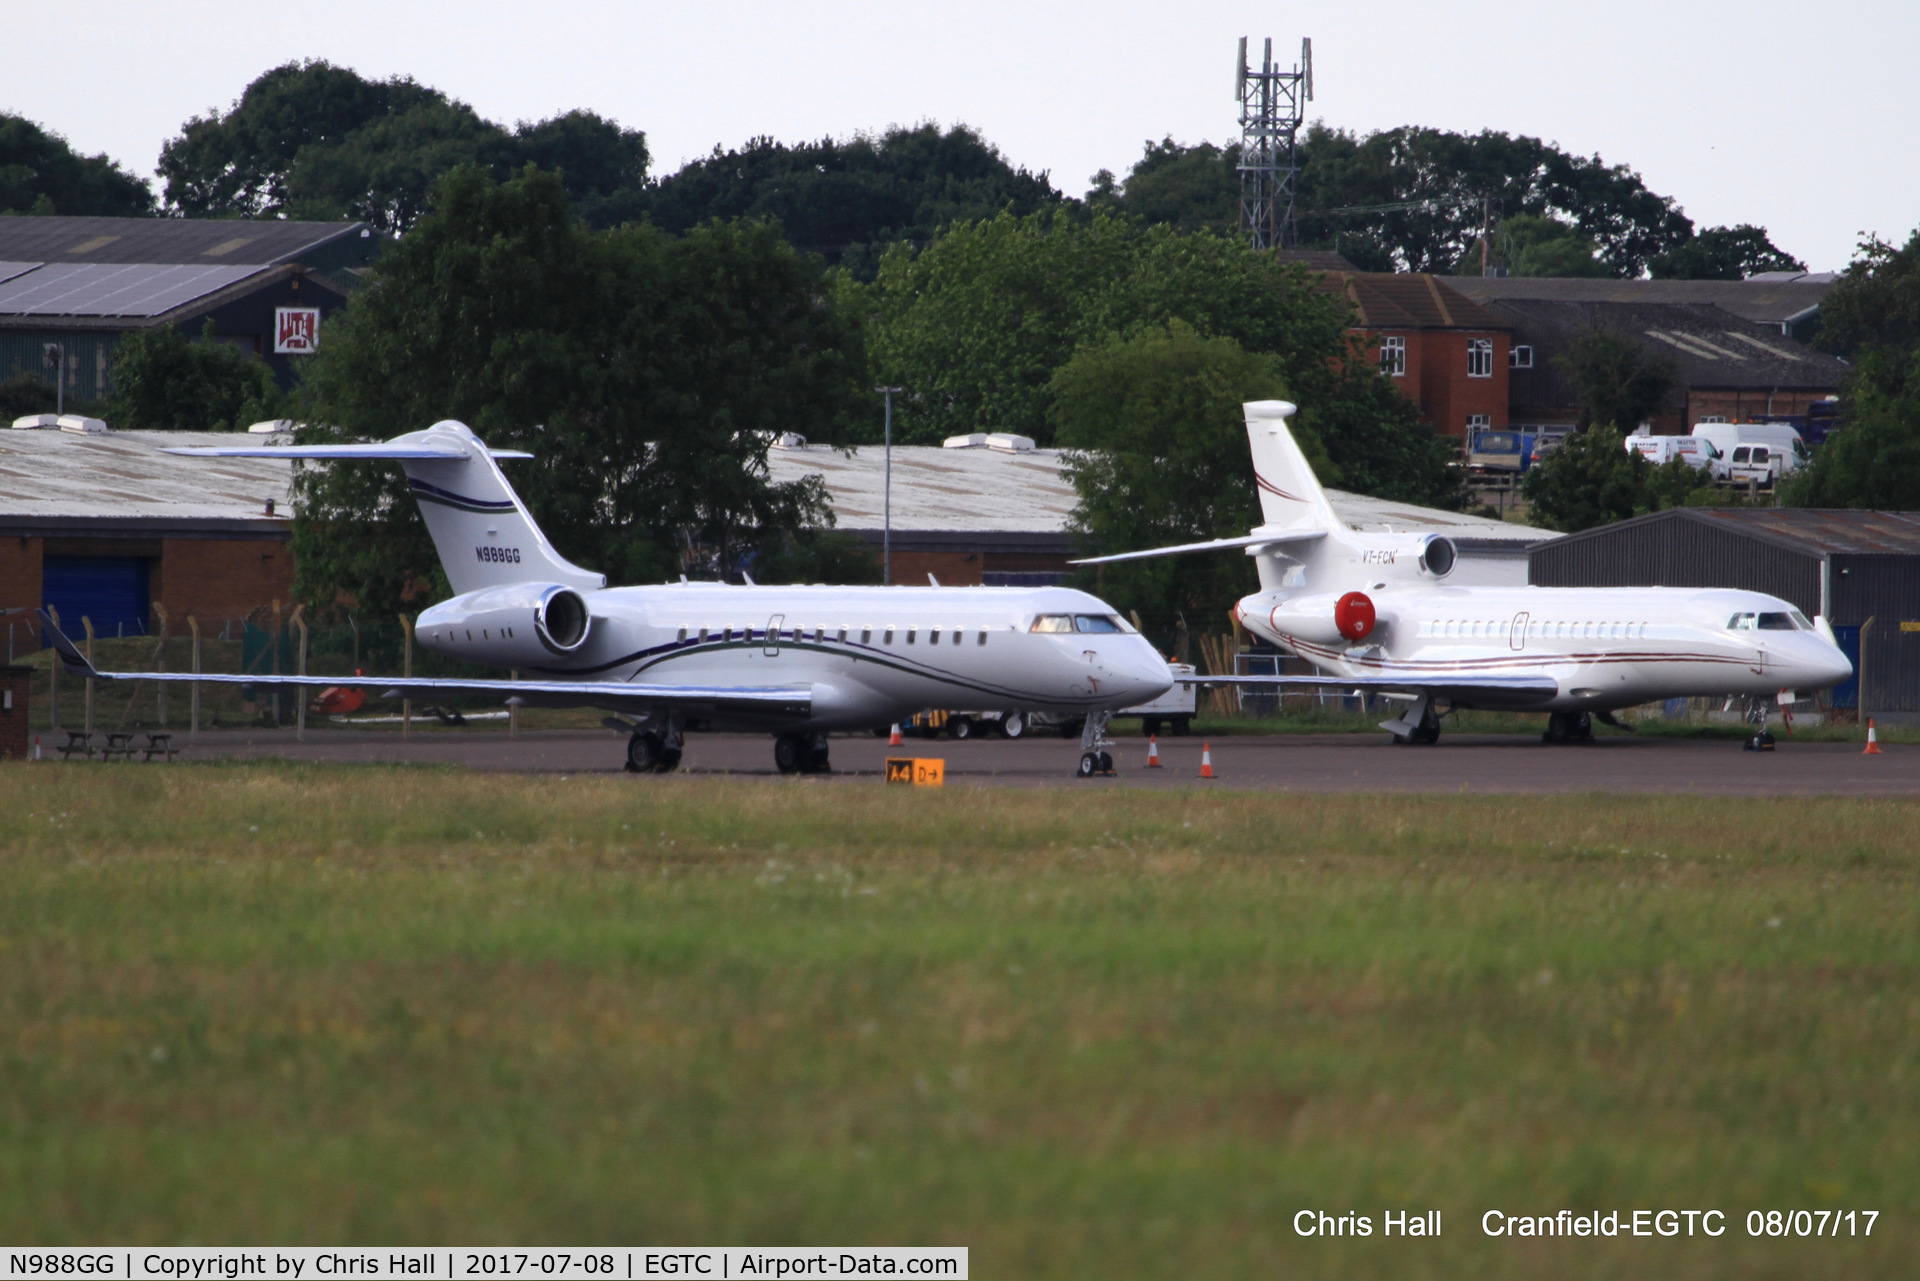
{"x":1478,"y":422}
{"x":1520,"y":356}
{"x":1393,"y":357}
{"x":1479,"y":357}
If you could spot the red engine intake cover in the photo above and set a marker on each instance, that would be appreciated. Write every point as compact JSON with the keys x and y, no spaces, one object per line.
{"x":1353,"y":615}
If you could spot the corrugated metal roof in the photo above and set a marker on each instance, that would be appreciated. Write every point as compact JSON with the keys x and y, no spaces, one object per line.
{"x":8,"y":270}
{"x":1769,"y":302}
{"x":1814,"y":531}
{"x":124,"y":474}
{"x":130,"y":289}
{"x":208,"y":241}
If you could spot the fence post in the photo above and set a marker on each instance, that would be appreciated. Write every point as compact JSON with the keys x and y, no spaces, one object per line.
{"x":53,"y":678}
{"x":193,"y":733}
{"x":160,"y":663}
{"x":88,"y":624}
{"x":276,"y":663}
{"x":406,"y":670}
{"x":299,"y":624}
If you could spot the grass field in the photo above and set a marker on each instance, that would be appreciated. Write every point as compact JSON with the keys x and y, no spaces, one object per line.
{"x":1117,"y":1036}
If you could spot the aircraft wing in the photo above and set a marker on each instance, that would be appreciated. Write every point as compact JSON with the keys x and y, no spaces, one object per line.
{"x":405,"y":453}
{"x":1251,"y":542}
{"x":760,"y":700}
{"x":1532,"y":688}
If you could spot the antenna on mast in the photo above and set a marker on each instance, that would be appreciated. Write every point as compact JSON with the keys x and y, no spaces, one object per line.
{"x":1272,"y":108}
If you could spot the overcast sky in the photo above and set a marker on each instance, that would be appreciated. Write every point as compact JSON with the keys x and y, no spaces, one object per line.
{"x":1799,"y":117}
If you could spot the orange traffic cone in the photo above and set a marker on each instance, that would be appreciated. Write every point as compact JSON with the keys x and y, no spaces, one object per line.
{"x":1873,"y":741}
{"x":1206,"y":760}
{"x":1153,"y":751}
{"x":895,"y":740}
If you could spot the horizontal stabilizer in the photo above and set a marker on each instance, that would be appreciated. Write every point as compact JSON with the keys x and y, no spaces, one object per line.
{"x":1253,"y":542}
{"x":420,"y":452}
{"x":761,"y":700}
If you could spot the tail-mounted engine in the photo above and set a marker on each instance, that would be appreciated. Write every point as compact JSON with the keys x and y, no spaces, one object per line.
{"x":519,"y":625}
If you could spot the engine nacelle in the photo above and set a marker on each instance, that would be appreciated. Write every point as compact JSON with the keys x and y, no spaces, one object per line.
{"x":1326,"y":619}
{"x":518,"y":625}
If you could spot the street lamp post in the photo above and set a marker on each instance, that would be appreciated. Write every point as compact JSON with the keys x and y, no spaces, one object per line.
{"x":886,"y":531}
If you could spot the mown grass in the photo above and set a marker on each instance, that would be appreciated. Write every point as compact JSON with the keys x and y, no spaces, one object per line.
{"x":1117,"y":1035}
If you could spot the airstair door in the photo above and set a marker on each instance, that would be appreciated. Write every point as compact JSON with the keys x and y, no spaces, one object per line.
{"x":1519,"y":638}
{"x":772,"y":647}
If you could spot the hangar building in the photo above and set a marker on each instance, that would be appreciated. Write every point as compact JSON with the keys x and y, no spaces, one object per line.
{"x":1861,"y":569}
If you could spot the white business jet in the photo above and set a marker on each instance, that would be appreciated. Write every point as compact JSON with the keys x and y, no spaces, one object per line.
{"x":1375,"y":613}
{"x":793,"y":661}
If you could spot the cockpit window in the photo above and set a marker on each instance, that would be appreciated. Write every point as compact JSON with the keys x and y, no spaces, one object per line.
{"x":1801,"y":619}
{"x":1741,"y":622}
{"x":1776,"y":623}
{"x":1098,"y":623}
{"x":1052,"y":623}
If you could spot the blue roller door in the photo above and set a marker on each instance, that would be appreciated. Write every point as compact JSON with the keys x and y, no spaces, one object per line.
{"x":110,"y":590}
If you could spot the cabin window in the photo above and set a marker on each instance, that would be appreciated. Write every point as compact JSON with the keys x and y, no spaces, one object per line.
{"x":887,"y":637}
{"x":1052,"y":623}
{"x":983,"y":635}
{"x":933,"y":636}
{"x":683,"y":634}
{"x":956,"y":635}
{"x":866,"y":635}
{"x":912,"y":633}
{"x":843,"y":635}
{"x":1740,"y":623}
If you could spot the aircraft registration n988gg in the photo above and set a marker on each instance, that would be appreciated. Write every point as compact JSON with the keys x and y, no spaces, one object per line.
{"x":1375,"y":613}
{"x":796,"y":662}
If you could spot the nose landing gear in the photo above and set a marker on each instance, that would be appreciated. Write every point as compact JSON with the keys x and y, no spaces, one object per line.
{"x":1568,"y":727}
{"x":1094,"y":757}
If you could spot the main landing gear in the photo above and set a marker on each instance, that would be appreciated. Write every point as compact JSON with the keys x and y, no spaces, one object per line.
{"x":1568,"y":727}
{"x":655,"y":746}
{"x":1095,"y":759}
{"x":1419,"y":724}
{"x":801,"y":754}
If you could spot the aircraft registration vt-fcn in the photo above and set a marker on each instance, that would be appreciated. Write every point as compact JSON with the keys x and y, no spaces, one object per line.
{"x":796,"y":662}
{"x":1375,"y":613}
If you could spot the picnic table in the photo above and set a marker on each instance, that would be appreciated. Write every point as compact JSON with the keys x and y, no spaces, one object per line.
{"x":118,"y":744}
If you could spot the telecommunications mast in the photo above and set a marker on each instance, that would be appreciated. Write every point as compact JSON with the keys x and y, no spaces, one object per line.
{"x":1272,"y":106}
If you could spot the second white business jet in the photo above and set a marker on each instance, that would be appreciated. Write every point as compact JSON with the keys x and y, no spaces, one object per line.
{"x":795,"y":662}
{"x":1374,"y":612}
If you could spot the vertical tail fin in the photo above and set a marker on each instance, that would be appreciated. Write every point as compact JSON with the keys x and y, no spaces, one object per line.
{"x":1290,"y":494}
{"x":480,"y":527}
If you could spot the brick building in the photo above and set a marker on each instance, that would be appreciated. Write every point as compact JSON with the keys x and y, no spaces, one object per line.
{"x":106,"y":526}
{"x":1445,"y":352}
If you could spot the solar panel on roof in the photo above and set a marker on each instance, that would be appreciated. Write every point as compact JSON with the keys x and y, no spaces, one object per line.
{"x":8,"y":270}
{"x":101,"y":289}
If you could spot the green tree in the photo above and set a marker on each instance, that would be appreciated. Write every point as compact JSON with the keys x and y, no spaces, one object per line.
{"x":164,"y":382}
{"x":975,"y":325}
{"x":848,"y":201}
{"x":309,"y":139}
{"x":41,"y":174}
{"x":1617,"y":380}
{"x":1678,"y":483}
{"x":1189,"y":188}
{"x":1534,"y":245}
{"x":1873,"y":315}
{"x":1724,"y":253}
{"x":1159,"y":456}
{"x":647,"y":374}
{"x":1591,"y":479}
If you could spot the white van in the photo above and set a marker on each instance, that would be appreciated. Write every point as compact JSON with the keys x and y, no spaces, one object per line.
{"x":1762,"y":452}
{"x":1699,"y":453}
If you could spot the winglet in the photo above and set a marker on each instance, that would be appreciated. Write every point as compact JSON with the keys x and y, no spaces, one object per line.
{"x":70,"y":656}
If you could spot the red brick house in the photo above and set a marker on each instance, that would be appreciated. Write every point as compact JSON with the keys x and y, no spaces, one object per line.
{"x":1447,"y":353}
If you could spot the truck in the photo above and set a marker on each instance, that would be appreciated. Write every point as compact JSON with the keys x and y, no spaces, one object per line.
{"x":1699,"y":453}
{"x":1502,"y":454}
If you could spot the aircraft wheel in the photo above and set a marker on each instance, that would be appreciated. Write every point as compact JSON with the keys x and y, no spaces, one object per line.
{"x":1089,"y":765}
{"x":1582,"y":726}
{"x":1013,"y":724}
{"x":669,"y":761}
{"x":1106,"y":763}
{"x":960,"y":727}
{"x":644,"y":752}
{"x":819,"y":760}
{"x":1182,"y":726}
{"x":790,"y":752}
{"x":1559,"y":728}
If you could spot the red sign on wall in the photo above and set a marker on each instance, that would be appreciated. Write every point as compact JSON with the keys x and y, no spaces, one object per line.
{"x":296,"y":330}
